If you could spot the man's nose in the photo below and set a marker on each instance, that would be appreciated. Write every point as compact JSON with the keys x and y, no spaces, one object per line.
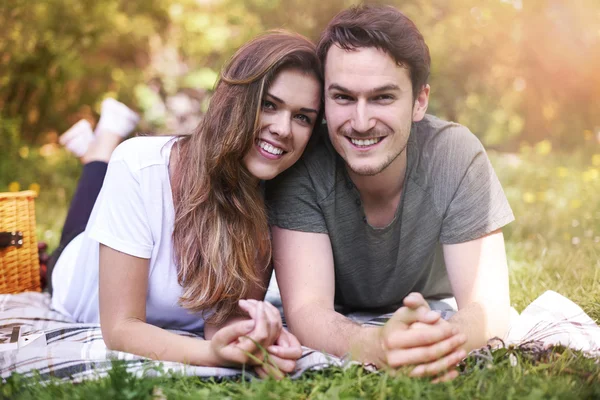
{"x":361,"y":119}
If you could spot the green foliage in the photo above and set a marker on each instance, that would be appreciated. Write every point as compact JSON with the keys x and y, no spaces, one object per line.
{"x":47,"y":169}
{"x":547,"y":191}
{"x":564,"y":375}
{"x":510,"y":70}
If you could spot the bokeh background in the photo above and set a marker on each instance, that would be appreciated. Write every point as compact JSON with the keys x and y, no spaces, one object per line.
{"x":522,"y":75}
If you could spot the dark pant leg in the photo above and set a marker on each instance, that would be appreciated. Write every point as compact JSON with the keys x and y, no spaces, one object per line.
{"x":83,"y":201}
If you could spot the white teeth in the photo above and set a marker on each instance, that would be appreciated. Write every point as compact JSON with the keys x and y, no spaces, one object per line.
{"x":269,"y":148}
{"x":367,"y":142}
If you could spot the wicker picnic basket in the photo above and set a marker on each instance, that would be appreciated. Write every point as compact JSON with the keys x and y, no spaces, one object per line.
{"x":19,"y":259}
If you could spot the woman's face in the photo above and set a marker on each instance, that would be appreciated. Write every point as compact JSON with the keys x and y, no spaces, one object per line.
{"x":287,"y":118}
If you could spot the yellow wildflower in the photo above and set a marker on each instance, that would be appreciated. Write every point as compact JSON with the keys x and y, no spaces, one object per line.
{"x":14,"y":187}
{"x":562,"y":172}
{"x":528,"y":197}
{"x":24,"y":152}
{"x":575,"y":203}
{"x":541,"y":197}
{"x":596,"y":160}
{"x":543,"y":148}
{"x":35,"y":187}
{"x":591,"y":175}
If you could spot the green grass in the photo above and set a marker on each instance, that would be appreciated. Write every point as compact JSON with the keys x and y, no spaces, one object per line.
{"x":554,"y":244}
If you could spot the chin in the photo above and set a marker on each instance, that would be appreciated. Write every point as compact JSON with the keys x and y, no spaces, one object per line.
{"x":365,"y":169}
{"x":264,"y":174}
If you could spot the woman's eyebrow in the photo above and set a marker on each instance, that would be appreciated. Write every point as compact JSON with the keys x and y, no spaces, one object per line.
{"x":303,"y":109}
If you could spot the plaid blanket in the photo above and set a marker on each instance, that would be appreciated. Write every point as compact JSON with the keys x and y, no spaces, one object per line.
{"x":65,"y":349}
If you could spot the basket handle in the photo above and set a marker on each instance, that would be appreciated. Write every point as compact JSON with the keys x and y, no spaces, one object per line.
{"x":8,"y":239}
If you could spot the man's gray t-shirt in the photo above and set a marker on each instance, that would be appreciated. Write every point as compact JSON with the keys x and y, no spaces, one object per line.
{"x":451,"y":194}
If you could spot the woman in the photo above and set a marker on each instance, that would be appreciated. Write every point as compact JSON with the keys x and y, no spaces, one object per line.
{"x":179,"y":229}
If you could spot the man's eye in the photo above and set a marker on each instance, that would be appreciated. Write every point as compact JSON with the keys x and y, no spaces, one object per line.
{"x":342,"y":97}
{"x":268,"y":105}
{"x":384,"y":97}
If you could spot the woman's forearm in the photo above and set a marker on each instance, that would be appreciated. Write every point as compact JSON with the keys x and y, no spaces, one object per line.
{"x":146,"y":340}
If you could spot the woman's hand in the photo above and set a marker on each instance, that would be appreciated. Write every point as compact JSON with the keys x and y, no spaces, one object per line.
{"x":228,"y":347}
{"x":267,"y":319}
{"x":284,"y":351}
{"x":282,"y":356}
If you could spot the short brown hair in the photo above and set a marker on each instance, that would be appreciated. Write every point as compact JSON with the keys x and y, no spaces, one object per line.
{"x":382,"y":27}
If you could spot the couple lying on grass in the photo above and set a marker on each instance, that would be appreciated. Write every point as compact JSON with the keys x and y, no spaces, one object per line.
{"x":381,"y":208}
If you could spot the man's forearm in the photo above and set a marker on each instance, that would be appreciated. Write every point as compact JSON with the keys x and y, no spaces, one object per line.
{"x":326,"y":330}
{"x":481,"y":323}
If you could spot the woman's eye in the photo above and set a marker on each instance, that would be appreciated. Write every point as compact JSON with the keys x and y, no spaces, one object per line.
{"x":268,"y":105}
{"x":304,"y":118}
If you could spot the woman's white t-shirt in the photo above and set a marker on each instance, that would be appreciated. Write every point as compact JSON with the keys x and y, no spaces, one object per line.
{"x":134,"y":215}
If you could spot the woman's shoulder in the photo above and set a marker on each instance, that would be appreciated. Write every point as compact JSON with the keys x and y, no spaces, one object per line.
{"x":143,"y":151}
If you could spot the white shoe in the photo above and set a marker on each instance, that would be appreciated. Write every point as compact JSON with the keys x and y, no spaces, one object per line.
{"x":117,"y":118}
{"x":78,"y":138}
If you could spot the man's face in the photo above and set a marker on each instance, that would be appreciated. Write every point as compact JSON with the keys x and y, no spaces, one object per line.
{"x":369,"y":107}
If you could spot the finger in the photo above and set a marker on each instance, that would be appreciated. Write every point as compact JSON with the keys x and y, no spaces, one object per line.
{"x":284,"y":365}
{"x":274,"y":324}
{"x":249,"y":307}
{"x":407,"y":315}
{"x":260,"y":332}
{"x":260,"y":371}
{"x":421,"y":325}
{"x":408,"y":338}
{"x":289,"y":353}
{"x":415,"y":300}
{"x":425,"y":354}
{"x":273,"y":371}
{"x":439,"y":322}
{"x":443,"y":364}
{"x":232,"y":332}
{"x":287,"y":339}
{"x":447,"y":377}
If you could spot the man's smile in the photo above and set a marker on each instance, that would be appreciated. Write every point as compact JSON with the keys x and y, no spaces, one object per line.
{"x":366,"y":143}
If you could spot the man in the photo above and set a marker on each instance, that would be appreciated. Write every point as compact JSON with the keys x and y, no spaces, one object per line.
{"x":390,"y":206}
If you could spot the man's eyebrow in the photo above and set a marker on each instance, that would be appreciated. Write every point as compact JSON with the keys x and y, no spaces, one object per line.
{"x":384,"y":88}
{"x":303,"y":109}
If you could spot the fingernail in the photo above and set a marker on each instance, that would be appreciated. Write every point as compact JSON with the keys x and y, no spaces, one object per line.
{"x":431,"y":314}
{"x":417,"y":371}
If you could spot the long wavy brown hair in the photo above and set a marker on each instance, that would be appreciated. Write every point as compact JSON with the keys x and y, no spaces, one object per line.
{"x":221,"y":236}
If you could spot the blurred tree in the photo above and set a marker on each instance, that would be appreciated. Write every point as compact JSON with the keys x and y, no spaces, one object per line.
{"x":58,"y":56}
{"x":510,"y":70}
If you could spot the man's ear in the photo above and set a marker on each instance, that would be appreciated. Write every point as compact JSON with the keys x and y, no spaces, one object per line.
{"x":421,"y":103}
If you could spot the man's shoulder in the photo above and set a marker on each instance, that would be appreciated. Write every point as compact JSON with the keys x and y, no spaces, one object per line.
{"x":444,"y":146}
{"x":436,"y":134}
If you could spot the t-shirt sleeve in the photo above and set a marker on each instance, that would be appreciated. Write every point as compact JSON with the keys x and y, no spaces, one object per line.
{"x":121,"y":221}
{"x":292,"y":203}
{"x":479,"y":205}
